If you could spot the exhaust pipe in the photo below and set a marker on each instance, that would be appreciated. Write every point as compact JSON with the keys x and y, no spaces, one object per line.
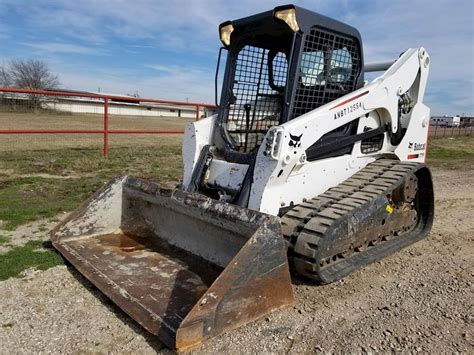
{"x":378,"y":66}
{"x":184,"y":266}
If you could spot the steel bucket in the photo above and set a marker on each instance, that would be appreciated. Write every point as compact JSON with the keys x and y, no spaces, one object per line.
{"x":184,"y":266}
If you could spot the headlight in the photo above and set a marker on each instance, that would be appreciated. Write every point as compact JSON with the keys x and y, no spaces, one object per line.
{"x":288,"y":15}
{"x":225,"y":30}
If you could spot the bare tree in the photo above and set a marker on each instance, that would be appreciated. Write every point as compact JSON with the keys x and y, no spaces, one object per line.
{"x":28,"y":74}
{"x":5,"y":80}
{"x":31,"y":74}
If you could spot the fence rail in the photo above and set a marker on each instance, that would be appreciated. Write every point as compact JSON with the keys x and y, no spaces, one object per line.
{"x":462,"y":130}
{"x":79,"y":102}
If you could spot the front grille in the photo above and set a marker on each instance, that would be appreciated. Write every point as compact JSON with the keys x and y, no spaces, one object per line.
{"x":252,"y":89}
{"x":329,"y":68}
{"x":371,"y":145}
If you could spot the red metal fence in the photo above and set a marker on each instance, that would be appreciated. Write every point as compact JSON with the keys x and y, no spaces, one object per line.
{"x":33,"y":100}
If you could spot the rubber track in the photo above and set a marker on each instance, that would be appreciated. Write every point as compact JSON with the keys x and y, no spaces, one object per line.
{"x":304,"y":226}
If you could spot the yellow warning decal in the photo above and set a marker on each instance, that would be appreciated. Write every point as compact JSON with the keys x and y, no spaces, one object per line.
{"x":389,"y":209}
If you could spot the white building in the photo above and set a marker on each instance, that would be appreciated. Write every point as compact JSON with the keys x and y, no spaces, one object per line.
{"x":118,"y":105}
{"x":121,"y":105}
{"x":441,"y":121}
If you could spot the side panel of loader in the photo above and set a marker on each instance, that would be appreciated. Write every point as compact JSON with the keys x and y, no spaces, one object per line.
{"x":182,"y":265}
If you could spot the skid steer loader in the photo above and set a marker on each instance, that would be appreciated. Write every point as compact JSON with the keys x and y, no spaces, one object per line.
{"x":305,"y":167}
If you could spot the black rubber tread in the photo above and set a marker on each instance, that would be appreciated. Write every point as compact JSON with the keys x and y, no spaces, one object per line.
{"x":306,"y":226}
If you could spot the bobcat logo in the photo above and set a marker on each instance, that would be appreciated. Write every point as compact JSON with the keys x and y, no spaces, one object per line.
{"x":410,"y":145}
{"x":295,"y":140}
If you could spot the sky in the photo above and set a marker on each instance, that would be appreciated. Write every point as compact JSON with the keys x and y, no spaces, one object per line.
{"x":168,"y":49}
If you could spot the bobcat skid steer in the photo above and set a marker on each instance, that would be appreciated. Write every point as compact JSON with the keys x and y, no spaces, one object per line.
{"x":305,"y":167}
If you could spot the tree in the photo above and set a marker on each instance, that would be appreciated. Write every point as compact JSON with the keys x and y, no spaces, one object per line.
{"x":30,"y":74}
{"x":4,"y":78}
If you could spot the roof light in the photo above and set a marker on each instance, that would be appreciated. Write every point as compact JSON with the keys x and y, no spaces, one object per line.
{"x":288,"y":15}
{"x":225,"y":30}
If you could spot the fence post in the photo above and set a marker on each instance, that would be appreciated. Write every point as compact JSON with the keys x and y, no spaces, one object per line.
{"x":197,"y":112}
{"x":106,"y":126}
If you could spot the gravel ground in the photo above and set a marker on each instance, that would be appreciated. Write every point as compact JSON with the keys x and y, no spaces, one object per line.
{"x":420,"y":299}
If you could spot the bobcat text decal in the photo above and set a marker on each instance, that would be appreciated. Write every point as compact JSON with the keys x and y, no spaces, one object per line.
{"x":416,"y":146}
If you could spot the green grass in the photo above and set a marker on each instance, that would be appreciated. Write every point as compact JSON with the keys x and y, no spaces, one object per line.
{"x":4,"y":240}
{"x":158,"y":162}
{"x":25,"y":198}
{"x":32,"y":254}
{"x":451,"y":153}
{"x":31,"y":188}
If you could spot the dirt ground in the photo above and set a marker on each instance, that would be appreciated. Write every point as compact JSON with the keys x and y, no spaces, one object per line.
{"x":418,"y":300}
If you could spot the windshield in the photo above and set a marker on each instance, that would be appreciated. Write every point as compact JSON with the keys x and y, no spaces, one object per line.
{"x":314,"y":72}
{"x":329,"y":68}
{"x":255,"y":103}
